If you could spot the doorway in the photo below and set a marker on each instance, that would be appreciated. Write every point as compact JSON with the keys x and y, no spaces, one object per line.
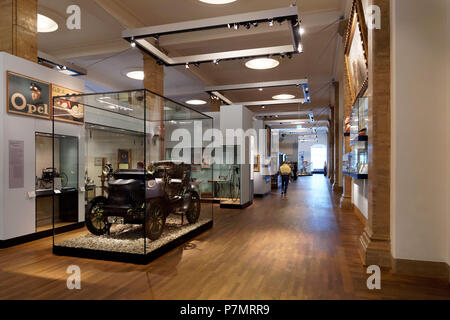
{"x":318,"y":157}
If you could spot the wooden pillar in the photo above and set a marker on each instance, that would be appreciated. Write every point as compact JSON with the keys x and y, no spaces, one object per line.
{"x":331,"y":144}
{"x":154,"y":81}
{"x":375,"y":241}
{"x":18,"y":28}
{"x":346,"y":200}
{"x":337,"y":137}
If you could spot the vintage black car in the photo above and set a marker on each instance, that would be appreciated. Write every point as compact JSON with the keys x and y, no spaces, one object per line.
{"x":145,"y":197}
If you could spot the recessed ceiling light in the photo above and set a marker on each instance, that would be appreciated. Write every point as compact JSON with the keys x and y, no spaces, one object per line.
{"x":262,"y":63}
{"x":45,"y":24}
{"x":283,"y":97}
{"x":196,"y":102}
{"x":136,"y":75}
{"x":217,"y":1}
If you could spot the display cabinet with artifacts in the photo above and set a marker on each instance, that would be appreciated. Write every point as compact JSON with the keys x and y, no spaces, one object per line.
{"x":356,"y":162}
{"x":146,"y":201}
{"x":56,"y":175}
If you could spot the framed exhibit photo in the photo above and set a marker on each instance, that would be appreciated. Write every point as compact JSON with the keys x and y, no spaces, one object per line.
{"x":257,"y":164}
{"x":124,"y":159}
{"x":27,"y":96}
{"x":356,"y":52}
{"x":66,"y":109}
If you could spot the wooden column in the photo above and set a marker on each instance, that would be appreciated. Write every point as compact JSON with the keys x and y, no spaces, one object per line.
{"x":337,"y":137}
{"x":154,"y":81}
{"x":18,"y":28}
{"x":346,"y":200}
{"x":375,"y":241}
{"x":331,"y":146}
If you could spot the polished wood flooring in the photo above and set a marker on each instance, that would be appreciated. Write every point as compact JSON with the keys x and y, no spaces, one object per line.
{"x":302,"y":247}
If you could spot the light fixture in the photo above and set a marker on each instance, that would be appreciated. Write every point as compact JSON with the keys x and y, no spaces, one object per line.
{"x":217,"y":1}
{"x":236,"y":26}
{"x":263,"y":107}
{"x":187,"y":65}
{"x":300,"y":48}
{"x":136,"y":75}
{"x":283,"y":97}
{"x":260,"y":89}
{"x":216,"y":61}
{"x":196,"y":102}
{"x":262,"y":64}
{"x":45,"y":24}
{"x":271,"y":23}
{"x":301,"y":31}
{"x":133,"y":44}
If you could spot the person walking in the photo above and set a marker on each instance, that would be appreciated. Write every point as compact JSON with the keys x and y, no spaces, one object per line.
{"x":285,"y":171}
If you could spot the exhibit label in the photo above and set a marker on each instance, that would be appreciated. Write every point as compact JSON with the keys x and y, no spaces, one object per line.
{"x":28,"y":96}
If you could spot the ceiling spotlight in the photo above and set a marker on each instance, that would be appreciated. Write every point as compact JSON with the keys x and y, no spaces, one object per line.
{"x":283,"y":97}
{"x":45,"y":24}
{"x":196,"y":102}
{"x":58,"y":67}
{"x":271,"y":23}
{"x":260,"y":89}
{"x":64,"y":68}
{"x":300,"y":48}
{"x":255,"y":24}
{"x":301,"y":31}
{"x":236,"y":26}
{"x":197,"y":64}
{"x":216,"y":61}
{"x":133,"y":44}
{"x":247,"y":25}
{"x":289,"y":55}
{"x":262,"y":64}
{"x":136,"y":75}
{"x":229,"y":26}
{"x":187,"y":65}
{"x":263,"y":107}
{"x":217,"y":1}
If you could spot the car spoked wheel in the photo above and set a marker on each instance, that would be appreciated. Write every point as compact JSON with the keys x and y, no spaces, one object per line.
{"x":193,"y":212}
{"x":154,"y":221}
{"x":96,"y":221}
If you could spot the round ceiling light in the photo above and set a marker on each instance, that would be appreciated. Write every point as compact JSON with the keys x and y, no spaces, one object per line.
{"x":262,"y":63}
{"x":217,"y":1}
{"x":283,"y":97}
{"x":136,"y":75}
{"x":45,"y":24}
{"x":196,"y":102}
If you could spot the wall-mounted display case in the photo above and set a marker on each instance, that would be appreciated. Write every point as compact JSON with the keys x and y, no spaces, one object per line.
{"x":356,"y":162}
{"x":56,"y":174}
{"x":142,"y":196}
{"x":359,"y":121}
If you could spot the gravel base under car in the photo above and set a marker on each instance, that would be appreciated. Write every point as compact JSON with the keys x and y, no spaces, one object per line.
{"x":129,"y":238}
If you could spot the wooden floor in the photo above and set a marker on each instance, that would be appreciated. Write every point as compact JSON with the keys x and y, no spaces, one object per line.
{"x":302,"y":247}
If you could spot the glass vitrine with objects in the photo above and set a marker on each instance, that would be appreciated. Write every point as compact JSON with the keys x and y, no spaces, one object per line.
{"x":141,"y":194}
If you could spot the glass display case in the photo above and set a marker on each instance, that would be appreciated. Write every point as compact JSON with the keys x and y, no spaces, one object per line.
{"x":56,"y":173}
{"x":356,"y":162}
{"x":142,"y":195}
{"x":359,"y":121}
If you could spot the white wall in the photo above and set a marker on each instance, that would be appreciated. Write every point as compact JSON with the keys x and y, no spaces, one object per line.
{"x":420,"y":136}
{"x":17,"y":211}
{"x":360,"y":194}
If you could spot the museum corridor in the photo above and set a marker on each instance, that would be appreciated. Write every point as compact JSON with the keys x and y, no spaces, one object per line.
{"x":315,"y":257}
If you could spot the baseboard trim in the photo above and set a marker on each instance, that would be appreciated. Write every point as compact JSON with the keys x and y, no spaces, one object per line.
{"x":360,"y":216}
{"x":430,"y":269}
{"x":39,"y":235}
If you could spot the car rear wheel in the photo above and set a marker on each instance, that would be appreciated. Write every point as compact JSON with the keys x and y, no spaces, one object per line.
{"x":96,"y":221}
{"x":193,"y":212}
{"x":154,"y":221}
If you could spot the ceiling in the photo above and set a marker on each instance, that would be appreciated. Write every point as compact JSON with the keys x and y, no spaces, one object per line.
{"x":99,"y":48}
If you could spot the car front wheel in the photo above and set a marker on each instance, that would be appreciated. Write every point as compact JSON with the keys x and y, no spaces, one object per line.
{"x":154,"y":221}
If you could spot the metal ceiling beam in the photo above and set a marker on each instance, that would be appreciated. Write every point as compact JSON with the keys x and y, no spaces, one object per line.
{"x":139,"y":35}
{"x":257,"y":85}
{"x":270,"y":102}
